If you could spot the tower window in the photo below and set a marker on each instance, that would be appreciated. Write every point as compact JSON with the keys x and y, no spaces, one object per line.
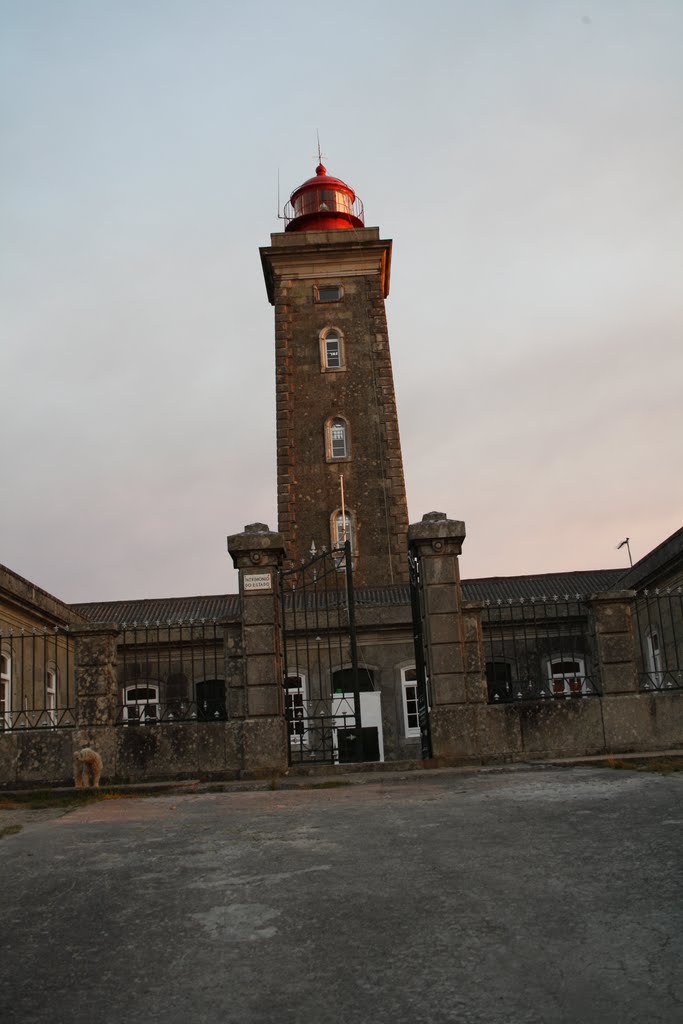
{"x":332,"y":349}
{"x":343,"y":528}
{"x":336,"y":439}
{"x":328,"y":293}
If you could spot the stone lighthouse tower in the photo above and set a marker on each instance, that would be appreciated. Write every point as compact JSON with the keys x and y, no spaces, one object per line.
{"x":339,"y":465}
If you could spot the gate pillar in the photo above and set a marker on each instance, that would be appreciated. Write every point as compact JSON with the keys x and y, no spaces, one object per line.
{"x":436,"y":543}
{"x":257,"y":554}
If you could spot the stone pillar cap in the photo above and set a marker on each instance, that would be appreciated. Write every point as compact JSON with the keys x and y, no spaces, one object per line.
{"x":256,"y":537}
{"x":436,"y":526}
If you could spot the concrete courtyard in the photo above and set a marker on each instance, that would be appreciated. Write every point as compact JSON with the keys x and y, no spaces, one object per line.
{"x":527,"y":896}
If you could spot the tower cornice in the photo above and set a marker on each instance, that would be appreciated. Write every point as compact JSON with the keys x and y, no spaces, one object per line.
{"x":312,"y":253}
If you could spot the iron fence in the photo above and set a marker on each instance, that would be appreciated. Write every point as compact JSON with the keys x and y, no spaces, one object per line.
{"x":321,"y":677}
{"x":539,"y":649}
{"x":658,"y":622}
{"x":172,"y":672}
{"x":36,"y":678}
{"x":421,"y":654}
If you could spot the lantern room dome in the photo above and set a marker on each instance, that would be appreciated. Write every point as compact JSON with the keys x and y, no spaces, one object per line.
{"x":323,"y":203}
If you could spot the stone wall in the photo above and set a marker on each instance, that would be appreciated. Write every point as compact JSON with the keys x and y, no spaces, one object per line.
{"x":251,"y":743}
{"x":184,"y":750}
{"x":466,"y":729}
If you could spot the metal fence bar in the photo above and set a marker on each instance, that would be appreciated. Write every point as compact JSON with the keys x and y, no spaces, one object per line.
{"x":539,"y":648}
{"x":36,"y":687}
{"x":157,"y":666}
{"x":659,"y":624}
{"x":319,"y":640}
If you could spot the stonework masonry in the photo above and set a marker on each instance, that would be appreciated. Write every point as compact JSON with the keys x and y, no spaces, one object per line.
{"x":360,"y":391}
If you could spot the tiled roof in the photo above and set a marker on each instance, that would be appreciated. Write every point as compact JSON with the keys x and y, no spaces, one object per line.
{"x":169,"y":609}
{"x":22,"y":593}
{"x":493,"y":588}
{"x":226,"y":606}
{"x":366,"y":597}
{"x":666,"y":554}
{"x":394,"y":595}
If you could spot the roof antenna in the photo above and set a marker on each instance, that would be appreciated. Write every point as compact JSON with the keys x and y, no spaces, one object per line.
{"x":320,"y":156}
{"x":628,"y":548}
{"x":278,"y":193}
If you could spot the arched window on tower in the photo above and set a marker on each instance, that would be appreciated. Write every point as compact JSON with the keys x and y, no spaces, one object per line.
{"x":337,"y":441}
{"x":343,"y":528}
{"x":332,"y":349}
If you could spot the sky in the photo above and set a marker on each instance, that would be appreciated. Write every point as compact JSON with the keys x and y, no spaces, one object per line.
{"x":526,"y":158}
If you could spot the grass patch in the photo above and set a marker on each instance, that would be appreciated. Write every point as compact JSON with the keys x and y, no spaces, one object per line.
{"x":9,"y":830}
{"x":38,"y":801}
{"x":330,"y":784}
{"x":660,"y":765}
{"x":41,"y":799}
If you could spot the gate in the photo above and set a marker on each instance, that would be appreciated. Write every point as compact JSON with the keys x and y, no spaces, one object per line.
{"x":320,"y":660}
{"x":421,"y":658}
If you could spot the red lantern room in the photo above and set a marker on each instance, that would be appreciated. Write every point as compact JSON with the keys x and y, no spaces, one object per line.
{"x":323,"y":204}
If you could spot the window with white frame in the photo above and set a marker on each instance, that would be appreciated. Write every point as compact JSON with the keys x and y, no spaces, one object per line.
{"x":332,"y":349}
{"x":295,"y":708}
{"x":653,"y":653}
{"x":141,"y":704}
{"x":343,"y":528}
{"x":567,"y":676}
{"x":411,"y":716}
{"x":51,"y":696}
{"x":5,"y":691}
{"x":337,"y":439}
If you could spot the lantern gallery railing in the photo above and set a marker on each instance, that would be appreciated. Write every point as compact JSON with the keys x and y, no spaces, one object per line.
{"x":539,"y":649}
{"x":36,"y":678}
{"x":324,"y":201}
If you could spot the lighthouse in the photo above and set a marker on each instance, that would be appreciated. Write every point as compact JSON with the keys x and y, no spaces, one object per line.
{"x":339,"y":464}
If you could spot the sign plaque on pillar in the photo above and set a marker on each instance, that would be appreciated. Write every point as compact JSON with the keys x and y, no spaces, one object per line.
{"x":257,"y":581}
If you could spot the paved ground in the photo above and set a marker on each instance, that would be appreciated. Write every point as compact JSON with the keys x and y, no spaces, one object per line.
{"x":531,"y":896}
